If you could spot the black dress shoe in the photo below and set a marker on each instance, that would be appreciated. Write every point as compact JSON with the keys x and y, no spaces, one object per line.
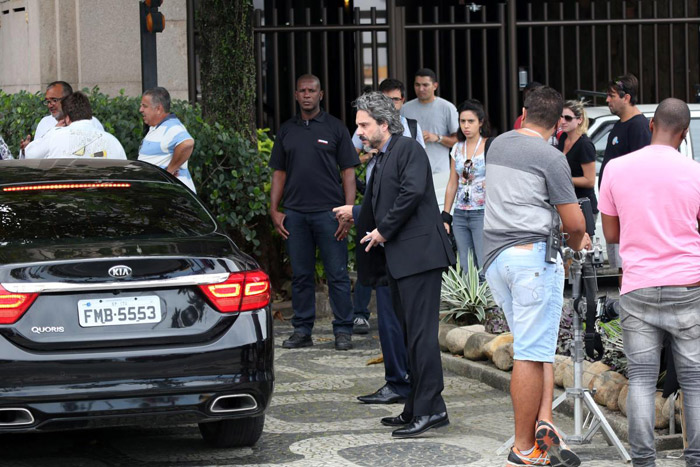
{"x":399,"y":420}
{"x":297,"y":340}
{"x":343,"y":341}
{"x":421,"y":424}
{"x":384,"y":395}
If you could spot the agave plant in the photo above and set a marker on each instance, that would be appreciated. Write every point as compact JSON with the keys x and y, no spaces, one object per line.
{"x":462,"y":295}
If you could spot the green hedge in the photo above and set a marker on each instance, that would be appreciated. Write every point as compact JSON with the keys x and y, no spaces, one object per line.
{"x":231,"y":174}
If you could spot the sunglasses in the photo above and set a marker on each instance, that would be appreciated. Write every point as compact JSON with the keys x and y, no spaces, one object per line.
{"x":568,"y":118}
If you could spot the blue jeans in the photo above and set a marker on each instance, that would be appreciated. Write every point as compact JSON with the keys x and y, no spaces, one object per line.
{"x":647,"y":315}
{"x":308,"y":230}
{"x":360,"y":300}
{"x":390,"y":336}
{"x":530,"y":292}
{"x":468,"y":227}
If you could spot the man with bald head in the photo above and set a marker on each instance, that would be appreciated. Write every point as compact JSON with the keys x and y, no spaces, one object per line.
{"x":314,"y":161}
{"x":650,"y":203}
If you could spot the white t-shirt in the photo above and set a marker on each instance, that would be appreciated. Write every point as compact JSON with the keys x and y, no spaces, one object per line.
{"x":79,"y":139}
{"x":49,"y":122}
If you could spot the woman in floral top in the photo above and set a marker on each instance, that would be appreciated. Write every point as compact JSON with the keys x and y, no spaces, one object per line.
{"x":466,"y":185}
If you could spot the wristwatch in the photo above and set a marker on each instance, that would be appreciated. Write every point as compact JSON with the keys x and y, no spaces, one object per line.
{"x":439,"y":139}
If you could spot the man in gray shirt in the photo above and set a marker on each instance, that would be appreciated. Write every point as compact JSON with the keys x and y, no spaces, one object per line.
{"x":439,"y":120}
{"x":529,"y":191}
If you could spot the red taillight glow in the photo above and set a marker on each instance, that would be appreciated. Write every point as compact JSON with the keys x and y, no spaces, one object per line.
{"x":242,"y":291}
{"x":13,"y":305}
{"x":66,"y":186}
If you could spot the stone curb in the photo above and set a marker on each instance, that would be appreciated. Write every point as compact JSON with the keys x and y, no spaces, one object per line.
{"x":492,"y":376}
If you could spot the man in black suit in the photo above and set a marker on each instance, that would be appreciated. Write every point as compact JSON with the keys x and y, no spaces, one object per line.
{"x":405,"y":245}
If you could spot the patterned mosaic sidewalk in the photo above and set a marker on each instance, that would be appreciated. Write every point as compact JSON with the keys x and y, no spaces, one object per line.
{"x":314,"y":421}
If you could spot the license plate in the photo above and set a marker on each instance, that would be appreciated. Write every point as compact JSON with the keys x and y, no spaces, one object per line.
{"x":118,"y":311}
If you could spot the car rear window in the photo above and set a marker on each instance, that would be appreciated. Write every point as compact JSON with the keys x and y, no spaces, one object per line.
{"x":146,"y":210}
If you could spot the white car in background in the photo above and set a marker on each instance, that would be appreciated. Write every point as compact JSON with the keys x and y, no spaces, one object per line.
{"x":601,"y":121}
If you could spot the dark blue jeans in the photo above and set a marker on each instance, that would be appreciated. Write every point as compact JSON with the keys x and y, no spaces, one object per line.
{"x":308,"y":230}
{"x":390,"y":336}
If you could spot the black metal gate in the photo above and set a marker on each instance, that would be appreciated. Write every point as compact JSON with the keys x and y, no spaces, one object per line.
{"x":484,"y":51}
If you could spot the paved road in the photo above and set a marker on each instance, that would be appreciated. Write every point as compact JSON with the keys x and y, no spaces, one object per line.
{"x":314,"y":421}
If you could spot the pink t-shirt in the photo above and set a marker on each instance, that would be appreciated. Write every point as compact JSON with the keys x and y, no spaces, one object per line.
{"x":656,"y":194}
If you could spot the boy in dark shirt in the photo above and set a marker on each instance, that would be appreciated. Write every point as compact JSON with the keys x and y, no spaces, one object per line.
{"x":629,"y":134}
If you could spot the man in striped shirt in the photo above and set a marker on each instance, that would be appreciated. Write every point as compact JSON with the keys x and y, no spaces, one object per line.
{"x":167,"y":144}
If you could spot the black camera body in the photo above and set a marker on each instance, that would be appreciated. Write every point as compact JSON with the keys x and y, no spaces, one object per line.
{"x":553,"y":246}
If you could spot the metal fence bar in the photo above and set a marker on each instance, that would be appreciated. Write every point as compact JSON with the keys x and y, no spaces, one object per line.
{"x":436,"y":40}
{"x":359,"y":55}
{"x":307,"y":23}
{"x":641,"y":55}
{"x":291,"y":57}
{"x":324,"y":48}
{"x":670,"y":47}
{"x":468,"y":41}
{"x":485,"y":60}
{"x":608,"y":49}
{"x":341,"y":47}
{"x":687,"y":57}
{"x":656,"y":51}
{"x":505,"y":121}
{"x":375,"y":52}
{"x":624,"y":38}
{"x":530,"y":43}
{"x":593,"y":54}
{"x":257,"y":44}
{"x":546,"y":45}
{"x":276,"y":71}
{"x":421,"y":63}
{"x":453,"y":54}
{"x":561,"y":50}
{"x":578,"y":47}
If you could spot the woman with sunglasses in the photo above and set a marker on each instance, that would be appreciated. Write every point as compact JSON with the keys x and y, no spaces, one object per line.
{"x":465,"y":188}
{"x":579,"y":150}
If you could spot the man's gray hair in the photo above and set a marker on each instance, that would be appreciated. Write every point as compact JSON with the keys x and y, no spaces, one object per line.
{"x":382,"y":109}
{"x":159,"y":96}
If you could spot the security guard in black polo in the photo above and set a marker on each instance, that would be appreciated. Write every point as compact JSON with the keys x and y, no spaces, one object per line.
{"x":314,"y":171}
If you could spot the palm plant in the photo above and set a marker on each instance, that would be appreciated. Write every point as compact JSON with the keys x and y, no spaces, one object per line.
{"x":463,"y":296}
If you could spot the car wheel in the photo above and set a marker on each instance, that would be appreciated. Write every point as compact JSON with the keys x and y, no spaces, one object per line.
{"x":233,"y":433}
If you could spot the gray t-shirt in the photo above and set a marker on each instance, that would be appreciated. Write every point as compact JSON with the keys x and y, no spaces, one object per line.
{"x":525,"y":177}
{"x":439,"y":117}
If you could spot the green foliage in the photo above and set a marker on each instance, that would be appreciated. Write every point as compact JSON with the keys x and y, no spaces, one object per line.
{"x":230,"y":172}
{"x":611,"y":335}
{"x":462,"y":296}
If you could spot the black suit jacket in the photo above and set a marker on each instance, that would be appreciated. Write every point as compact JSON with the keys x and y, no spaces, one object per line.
{"x":405,"y":211}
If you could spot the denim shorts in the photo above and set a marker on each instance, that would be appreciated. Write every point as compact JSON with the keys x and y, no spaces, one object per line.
{"x":530,"y":292}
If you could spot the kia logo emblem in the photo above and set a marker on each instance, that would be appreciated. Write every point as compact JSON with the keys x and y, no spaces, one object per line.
{"x":119,"y":271}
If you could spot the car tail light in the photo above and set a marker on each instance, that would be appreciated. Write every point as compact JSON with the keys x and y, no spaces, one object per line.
{"x":13,"y":305}
{"x":242,"y":291}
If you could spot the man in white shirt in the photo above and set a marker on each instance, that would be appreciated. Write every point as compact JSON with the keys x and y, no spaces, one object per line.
{"x":440,"y":123}
{"x":55,"y":91}
{"x":79,"y":138}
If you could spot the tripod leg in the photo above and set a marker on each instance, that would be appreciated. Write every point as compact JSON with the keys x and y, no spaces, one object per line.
{"x":506,"y":446}
{"x":593,"y":407}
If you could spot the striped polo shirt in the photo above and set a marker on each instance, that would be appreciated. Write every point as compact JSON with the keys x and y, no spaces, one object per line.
{"x":159,"y":144}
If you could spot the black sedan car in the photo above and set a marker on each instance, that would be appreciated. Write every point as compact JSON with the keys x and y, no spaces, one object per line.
{"x":122,"y":302}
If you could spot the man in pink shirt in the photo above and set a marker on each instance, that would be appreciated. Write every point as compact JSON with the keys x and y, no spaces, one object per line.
{"x":650,"y":203}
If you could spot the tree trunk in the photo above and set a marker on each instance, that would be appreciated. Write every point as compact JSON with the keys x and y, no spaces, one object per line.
{"x":228,"y":63}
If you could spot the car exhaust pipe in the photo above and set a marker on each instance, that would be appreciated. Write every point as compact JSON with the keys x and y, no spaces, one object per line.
{"x":233,"y":403}
{"x":15,"y":417}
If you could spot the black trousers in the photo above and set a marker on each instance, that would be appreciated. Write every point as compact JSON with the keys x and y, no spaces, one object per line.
{"x":416,"y":301}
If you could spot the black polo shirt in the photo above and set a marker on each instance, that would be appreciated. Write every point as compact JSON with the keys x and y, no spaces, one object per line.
{"x":312,"y":153}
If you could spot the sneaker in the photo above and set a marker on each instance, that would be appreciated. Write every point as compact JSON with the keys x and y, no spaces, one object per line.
{"x":360,"y":326}
{"x":548,"y":439}
{"x":536,"y":457}
{"x":297,"y":340}
{"x":343,"y":341}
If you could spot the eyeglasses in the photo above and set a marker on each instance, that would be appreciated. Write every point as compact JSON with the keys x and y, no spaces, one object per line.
{"x":568,"y":118}
{"x":51,"y":100}
{"x":396,"y":99}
